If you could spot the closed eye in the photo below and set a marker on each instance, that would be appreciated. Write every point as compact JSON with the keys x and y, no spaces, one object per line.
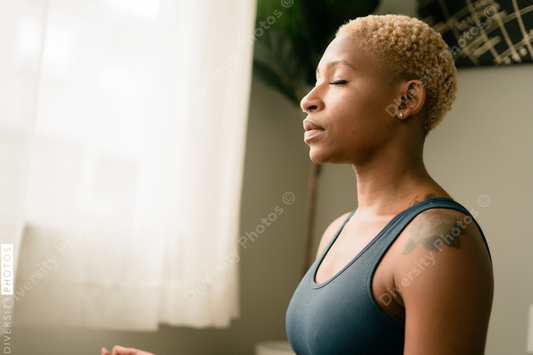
{"x":338,"y":82}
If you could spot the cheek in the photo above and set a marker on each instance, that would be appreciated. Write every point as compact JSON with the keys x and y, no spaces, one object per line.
{"x":352,"y":114}
{"x":344,"y":107}
{"x":362,"y":98}
{"x":374,"y":101}
{"x":372,"y":105}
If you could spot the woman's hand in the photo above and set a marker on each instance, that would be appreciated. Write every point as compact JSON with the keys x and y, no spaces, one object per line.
{"x":119,"y":350}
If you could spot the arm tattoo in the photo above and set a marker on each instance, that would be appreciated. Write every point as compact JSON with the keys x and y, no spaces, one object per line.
{"x":434,"y":225}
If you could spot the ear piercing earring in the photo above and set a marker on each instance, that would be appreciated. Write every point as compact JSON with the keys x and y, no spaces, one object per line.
{"x":410,"y":94}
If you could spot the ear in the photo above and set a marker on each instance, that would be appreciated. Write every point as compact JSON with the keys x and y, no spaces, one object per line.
{"x":413,"y":97}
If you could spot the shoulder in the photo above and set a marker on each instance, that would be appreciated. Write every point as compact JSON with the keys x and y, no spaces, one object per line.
{"x":447,"y":279}
{"x":437,"y":228}
{"x":330,"y":232}
{"x":451,"y":240}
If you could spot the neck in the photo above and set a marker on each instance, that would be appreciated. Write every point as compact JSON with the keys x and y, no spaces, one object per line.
{"x":387,"y":186}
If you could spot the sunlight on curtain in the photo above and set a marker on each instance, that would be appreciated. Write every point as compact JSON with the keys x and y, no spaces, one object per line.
{"x":134,"y":183}
{"x":22,"y":26}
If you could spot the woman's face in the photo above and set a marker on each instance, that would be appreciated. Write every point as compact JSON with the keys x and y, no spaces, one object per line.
{"x":348,"y":122}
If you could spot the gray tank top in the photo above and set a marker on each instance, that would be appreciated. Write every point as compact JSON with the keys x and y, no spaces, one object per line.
{"x":341,"y":316}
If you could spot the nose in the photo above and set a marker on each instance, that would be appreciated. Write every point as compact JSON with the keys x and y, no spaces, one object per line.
{"x":312,"y":101}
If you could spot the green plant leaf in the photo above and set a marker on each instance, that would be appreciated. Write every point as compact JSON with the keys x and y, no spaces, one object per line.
{"x":276,"y":62}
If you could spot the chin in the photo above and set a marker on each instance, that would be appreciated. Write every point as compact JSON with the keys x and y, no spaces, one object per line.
{"x":317,"y":157}
{"x":320,"y":157}
{"x":317,"y":162}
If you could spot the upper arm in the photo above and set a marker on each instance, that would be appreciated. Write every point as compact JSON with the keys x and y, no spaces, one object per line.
{"x":330,"y":232}
{"x":447,"y":281}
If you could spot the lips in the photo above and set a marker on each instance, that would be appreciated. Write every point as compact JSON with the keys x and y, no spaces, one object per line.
{"x":310,"y":125}
{"x":312,"y":130}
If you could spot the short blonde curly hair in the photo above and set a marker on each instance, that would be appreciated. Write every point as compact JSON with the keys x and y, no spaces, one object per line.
{"x":408,"y":48}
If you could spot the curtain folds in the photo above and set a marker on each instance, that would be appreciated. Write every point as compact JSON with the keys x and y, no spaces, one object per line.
{"x":134,"y":163}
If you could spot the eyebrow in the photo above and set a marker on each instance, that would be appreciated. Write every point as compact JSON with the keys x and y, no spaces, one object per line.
{"x":332,"y":64}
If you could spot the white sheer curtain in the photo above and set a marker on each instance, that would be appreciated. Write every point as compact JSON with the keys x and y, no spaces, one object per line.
{"x":132,"y":196}
{"x":22,"y":26}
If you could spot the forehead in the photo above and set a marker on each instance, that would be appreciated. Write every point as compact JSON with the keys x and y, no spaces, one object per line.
{"x":346,"y":51}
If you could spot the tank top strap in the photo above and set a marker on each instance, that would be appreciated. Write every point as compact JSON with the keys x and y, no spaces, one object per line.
{"x":395,"y":227}
{"x":334,"y":238}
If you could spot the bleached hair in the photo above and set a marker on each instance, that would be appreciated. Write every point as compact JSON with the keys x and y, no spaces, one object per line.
{"x":408,"y":48}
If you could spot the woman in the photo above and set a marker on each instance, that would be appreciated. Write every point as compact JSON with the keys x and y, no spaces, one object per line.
{"x":408,"y":271}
